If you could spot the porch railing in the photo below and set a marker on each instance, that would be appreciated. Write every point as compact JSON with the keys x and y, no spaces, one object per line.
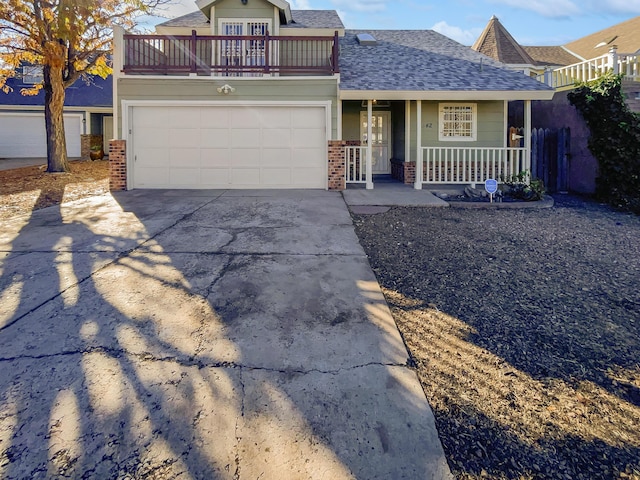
{"x":356,"y":164}
{"x":627,"y":64}
{"x":230,"y":55}
{"x":459,"y":165}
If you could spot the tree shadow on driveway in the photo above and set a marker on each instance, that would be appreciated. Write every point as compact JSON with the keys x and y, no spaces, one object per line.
{"x":147,"y":338}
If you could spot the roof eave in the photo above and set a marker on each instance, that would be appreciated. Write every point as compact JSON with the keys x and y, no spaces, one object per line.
{"x":454,"y":95}
{"x":283,"y":6}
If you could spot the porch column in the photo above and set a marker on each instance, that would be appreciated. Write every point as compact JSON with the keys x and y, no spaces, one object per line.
{"x":419,"y":166}
{"x":506,"y":124}
{"x":527,"y":136}
{"x":369,"y":133}
{"x":339,"y":124}
{"x":613,"y":59}
{"x":407,"y":130}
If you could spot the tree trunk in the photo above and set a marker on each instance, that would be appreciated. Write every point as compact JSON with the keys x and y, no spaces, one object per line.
{"x":54,"y":120}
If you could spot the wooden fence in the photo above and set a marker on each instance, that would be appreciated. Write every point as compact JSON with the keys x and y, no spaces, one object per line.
{"x":550,"y":152}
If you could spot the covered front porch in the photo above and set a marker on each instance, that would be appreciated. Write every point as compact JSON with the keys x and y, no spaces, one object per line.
{"x":431,"y":142}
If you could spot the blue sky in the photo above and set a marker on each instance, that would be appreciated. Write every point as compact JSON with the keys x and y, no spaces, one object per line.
{"x":531,"y":22}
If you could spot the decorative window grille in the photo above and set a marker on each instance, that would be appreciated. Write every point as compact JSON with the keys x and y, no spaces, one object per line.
{"x":458,"y":122}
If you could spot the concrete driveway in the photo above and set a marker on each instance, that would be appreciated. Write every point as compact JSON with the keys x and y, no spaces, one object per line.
{"x":203,"y":335}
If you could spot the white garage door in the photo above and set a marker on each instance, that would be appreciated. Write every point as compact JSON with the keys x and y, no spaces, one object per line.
{"x":229,"y":146}
{"x":23,"y":135}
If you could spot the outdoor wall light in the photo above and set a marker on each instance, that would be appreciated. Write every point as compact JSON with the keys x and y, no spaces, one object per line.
{"x":244,"y":2}
{"x":226,"y":89}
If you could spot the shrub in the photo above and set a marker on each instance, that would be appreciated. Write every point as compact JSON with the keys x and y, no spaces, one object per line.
{"x":614,"y":141}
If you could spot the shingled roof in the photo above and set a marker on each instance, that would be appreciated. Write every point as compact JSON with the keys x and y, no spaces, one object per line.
{"x":190,"y":20}
{"x":315,"y":19}
{"x":551,"y":56}
{"x":496,"y":42}
{"x":423,"y":60}
{"x":625,"y":35}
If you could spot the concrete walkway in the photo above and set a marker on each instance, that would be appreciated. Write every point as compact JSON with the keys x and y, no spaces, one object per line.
{"x":391,"y":193}
{"x":206,"y":334}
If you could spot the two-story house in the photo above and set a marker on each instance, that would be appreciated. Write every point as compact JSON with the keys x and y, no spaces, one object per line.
{"x":252,"y":94}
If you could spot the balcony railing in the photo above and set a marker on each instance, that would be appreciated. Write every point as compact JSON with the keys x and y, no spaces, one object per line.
{"x":627,"y":64}
{"x":230,"y":55}
{"x":454,"y":165}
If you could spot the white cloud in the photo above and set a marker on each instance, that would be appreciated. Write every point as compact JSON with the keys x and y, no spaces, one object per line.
{"x":369,"y":6}
{"x":177,"y":8}
{"x":616,"y":6}
{"x":300,"y":4}
{"x":466,"y":37}
{"x":547,"y":8}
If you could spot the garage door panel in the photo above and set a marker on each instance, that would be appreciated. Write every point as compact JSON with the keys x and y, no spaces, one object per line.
{"x":152,"y":137}
{"x":184,"y":157}
{"x":245,"y":117}
{"x":276,"y":157}
{"x":184,"y":117}
{"x":245,"y":176}
{"x":184,"y":137}
{"x":152,"y":177}
{"x":276,"y":137}
{"x":278,"y":118}
{"x":152,"y":117}
{"x":309,"y":118}
{"x":245,"y":137}
{"x":152,"y":158}
{"x":245,"y":157}
{"x":231,"y":147}
{"x":214,"y":177}
{"x":183,"y":177}
{"x":308,"y":159}
{"x":307,"y":177}
{"x":212,"y":157}
{"x":214,"y":137}
{"x":306,"y":139}
{"x":276,"y":176}
{"x":218,"y":117}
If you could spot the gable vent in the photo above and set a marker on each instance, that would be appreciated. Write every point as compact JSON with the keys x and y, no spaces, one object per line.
{"x":366,"y":39}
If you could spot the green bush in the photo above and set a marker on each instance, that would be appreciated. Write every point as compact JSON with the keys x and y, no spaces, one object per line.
{"x":614,"y":141}
{"x":518,"y":186}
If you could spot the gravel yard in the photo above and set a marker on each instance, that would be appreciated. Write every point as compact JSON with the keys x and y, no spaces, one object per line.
{"x":524,"y":326}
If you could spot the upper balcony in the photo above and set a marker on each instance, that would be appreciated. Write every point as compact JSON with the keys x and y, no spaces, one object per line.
{"x":618,"y":63}
{"x":230,"y":56}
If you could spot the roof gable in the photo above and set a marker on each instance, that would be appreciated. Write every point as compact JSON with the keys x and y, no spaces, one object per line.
{"x":282,"y":5}
{"x":496,"y":42}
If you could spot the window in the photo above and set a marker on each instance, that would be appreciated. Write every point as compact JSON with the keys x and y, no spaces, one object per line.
{"x":458,"y":122}
{"x":32,"y":74}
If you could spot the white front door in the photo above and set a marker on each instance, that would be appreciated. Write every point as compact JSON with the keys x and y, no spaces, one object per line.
{"x":380,"y":140}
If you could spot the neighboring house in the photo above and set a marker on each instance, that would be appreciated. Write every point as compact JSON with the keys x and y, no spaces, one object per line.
{"x":496,"y":42}
{"x":88,"y":110}
{"x":252,"y":94}
{"x":616,"y":47}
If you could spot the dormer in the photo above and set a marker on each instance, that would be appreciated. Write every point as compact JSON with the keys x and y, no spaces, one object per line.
{"x":223,"y":13}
